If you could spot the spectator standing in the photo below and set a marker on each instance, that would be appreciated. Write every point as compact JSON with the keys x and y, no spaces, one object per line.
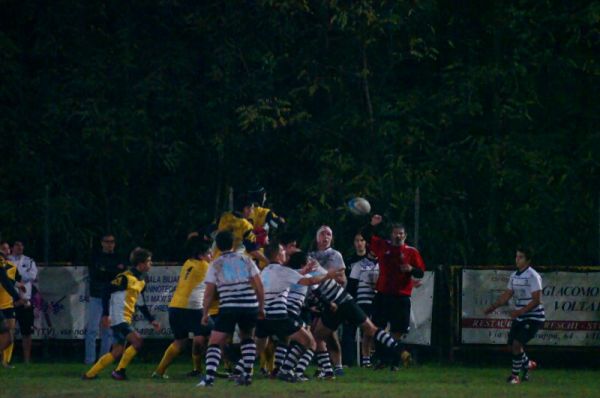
{"x":103,"y":268}
{"x":24,"y":314}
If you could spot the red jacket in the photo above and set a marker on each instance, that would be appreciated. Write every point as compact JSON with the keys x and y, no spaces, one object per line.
{"x":391,"y":280}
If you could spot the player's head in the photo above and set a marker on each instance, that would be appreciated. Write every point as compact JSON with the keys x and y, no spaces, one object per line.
{"x":108,"y":243}
{"x":141,"y":259}
{"x":360,"y":244}
{"x":523,"y":257}
{"x":324,"y":237}
{"x":298,"y":260}
{"x":197,"y":247}
{"x":275,"y":253}
{"x":258,"y":195}
{"x":289,"y":241}
{"x":5,"y":248}
{"x":18,"y":247}
{"x":243,"y":204}
{"x":397,"y":234}
{"x":224,"y":240}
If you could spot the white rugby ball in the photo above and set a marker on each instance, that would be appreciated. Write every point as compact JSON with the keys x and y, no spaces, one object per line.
{"x":359,"y":206}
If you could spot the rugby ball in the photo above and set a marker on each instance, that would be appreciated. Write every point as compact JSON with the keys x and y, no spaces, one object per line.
{"x":359,"y":206}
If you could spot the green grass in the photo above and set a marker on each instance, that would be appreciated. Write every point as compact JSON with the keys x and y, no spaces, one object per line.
{"x":63,"y":380}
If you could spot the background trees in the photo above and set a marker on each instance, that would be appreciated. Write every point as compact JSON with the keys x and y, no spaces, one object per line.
{"x":137,"y":118}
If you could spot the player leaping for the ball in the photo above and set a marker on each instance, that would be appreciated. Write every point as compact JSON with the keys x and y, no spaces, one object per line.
{"x":525,"y":285}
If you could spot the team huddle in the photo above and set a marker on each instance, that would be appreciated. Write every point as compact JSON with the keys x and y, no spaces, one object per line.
{"x":271,"y":299}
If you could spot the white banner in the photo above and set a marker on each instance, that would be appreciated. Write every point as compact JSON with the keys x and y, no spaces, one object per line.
{"x":421,"y":307}
{"x":60,"y":304}
{"x":571,"y":301}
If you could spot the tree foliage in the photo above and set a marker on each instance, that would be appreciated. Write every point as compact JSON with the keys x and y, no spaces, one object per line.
{"x":136,"y":117}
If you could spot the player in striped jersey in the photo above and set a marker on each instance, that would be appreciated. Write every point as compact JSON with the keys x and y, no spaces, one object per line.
{"x":185,"y":309}
{"x":364,"y":271}
{"x":125,"y":291}
{"x":236,"y":280}
{"x":277,"y":280}
{"x":329,"y":258}
{"x":525,"y":286}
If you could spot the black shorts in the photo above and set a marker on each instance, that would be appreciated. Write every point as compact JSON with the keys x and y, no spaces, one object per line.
{"x":25,"y":318}
{"x":523,"y":331}
{"x":367,"y":308}
{"x":227,"y":319}
{"x":394,"y":310}
{"x":281,"y":328}
{"x":184,"y":321}
{"x":348,"y":311}
{"x":8,"y":313}
{"x":121,"y":331}
{"x":3,"y":326}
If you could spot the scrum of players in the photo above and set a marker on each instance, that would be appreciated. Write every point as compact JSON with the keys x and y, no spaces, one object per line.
{"x":243,"y":296}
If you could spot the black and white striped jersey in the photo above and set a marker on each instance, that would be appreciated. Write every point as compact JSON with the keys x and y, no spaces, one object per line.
{"x":277,"y":281}
{"x":523,"y":284}
{"x":231,"y":274}
{"x":366,"y":271}
{"x":296,"y":297}
{"x":331,"y":291}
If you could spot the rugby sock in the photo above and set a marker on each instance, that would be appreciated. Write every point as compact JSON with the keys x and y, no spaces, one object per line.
{"x":197,"y":361}
{"x":170,"y":354}
{"x":239,"y":367}
{"x":386,"y":339}
{"x":292,"y":356}
{"x":7,"y":353}
{"x":516,"y":364}
{"x":304,"y":361}
{"x":267,"y":357}
{"x":524,"y":361}
{"x":324,"y":362}
{"x":248,"y":348}
{"x":128,"y":355}
{"x":103,"y":362}
{"x":280,"y":353}
{"x":365,"y":360}
{"x":213,"y":357}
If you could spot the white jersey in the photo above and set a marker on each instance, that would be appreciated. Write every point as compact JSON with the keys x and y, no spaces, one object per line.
{"x":277,"y":281}
{"x":28,"y":271}
{"x":523,"y":284}
{"x":329,"y":259}
{"x":231,"y":274}
{"x":366,"y":271}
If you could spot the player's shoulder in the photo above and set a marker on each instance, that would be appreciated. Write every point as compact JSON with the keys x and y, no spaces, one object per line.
{"x":532,"y":272}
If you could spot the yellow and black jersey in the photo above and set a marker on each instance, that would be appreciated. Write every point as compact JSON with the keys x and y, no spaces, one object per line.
{"x":189,"y":292}
{"x":263,"y":215}
{"x":8,"y":277}
{"x":243,"y":235}
{"x":124,"y":291}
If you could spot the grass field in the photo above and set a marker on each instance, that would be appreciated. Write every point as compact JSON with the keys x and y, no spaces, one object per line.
{"x":62,"y":380}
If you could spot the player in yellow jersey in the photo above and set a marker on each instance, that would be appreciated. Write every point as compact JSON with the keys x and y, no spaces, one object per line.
{"x":9,"y":298}
{"x":185,"y":309}
{"x":125,"y":291}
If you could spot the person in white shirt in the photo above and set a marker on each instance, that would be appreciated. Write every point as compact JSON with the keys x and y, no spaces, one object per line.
{"x":28,"y":271}
{"x":525,"y":287}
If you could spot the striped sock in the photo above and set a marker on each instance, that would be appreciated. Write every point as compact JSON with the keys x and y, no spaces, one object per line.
{"x":324,"y":362}
{"x":294,"y":353}
{"x":239,"y":367}
{"x":365,"y":361}
{"x":280,"y":354}
{"x":516,"y":364}
{"x":386,"y":339}
{"x":248,"y":348}
{"x":213,"y":357}
{"x":524,"y":361}
{"x":304,"y":361}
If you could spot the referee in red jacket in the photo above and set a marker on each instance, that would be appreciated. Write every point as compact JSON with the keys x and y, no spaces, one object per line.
{"x":398,"y":265}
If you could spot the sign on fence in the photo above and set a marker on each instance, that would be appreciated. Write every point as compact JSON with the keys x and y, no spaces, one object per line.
{"x":60,"y":304}
{"x":571,"y":301}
